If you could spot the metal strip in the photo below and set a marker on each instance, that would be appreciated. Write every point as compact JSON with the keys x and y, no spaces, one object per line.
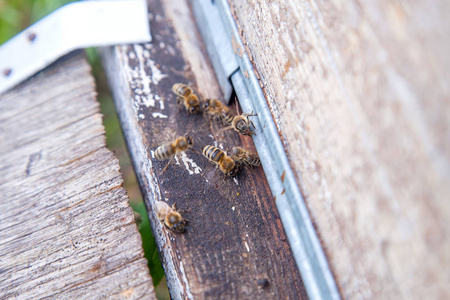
{"x":220,"y":50}
{"x":306,"y":247}
{"x":75,"y":25}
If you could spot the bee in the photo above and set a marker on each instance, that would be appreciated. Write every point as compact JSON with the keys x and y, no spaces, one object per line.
{"x":225,"y":163}
{"x":186,"y":96}
{"x":214,"y":107}
{"x":241,"y":155}
{"x":169,"y":150}
{"x":241,"y":124}
{"x":171,"y":218}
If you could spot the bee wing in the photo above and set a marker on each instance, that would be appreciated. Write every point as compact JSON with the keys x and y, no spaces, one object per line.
{"x":161,"y":209}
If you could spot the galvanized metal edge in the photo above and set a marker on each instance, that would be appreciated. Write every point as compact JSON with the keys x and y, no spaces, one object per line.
{"x":309,"y":255}
{"x":220,"y":51}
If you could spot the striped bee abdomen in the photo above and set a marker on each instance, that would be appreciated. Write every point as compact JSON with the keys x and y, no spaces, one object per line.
{"x":164,"y":151}
{"x":213,"y":154}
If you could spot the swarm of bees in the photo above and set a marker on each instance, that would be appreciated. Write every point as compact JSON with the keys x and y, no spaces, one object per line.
{"x":228,"y":164}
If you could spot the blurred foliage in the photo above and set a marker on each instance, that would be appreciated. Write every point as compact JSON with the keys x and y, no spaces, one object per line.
{"x":17,"y":15}
{"x":150,"y":249}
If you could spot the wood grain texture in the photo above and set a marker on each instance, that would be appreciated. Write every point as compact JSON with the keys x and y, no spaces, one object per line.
{"x":67,"y":230}
{"x":235,"y":237}
{"x":359,"y":91}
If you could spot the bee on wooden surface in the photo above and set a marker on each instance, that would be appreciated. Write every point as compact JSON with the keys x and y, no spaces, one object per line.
{"x":214,"y":107}
{"x":171,"y":218}
{"x":241,"y":124}
{"x":169,"y":150}
{"x":218,"y":157}
{"x":187,"y":97}
{"x":241,"y":155}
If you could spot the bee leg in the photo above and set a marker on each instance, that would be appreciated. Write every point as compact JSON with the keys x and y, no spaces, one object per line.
{"x":196,"y":151}
{"x":183,"y":211}
{"x":224,"y":129}
{"x":165,"y":168}
{"x":165,"y":225}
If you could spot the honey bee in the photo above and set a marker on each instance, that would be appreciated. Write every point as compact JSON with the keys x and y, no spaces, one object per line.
{"x":169,"y":150}
{"x":241,"y":124}
{"x":241,"y":155}
{"x":171,"y":218}
{"x":214,"y":107}
{"x":186,"y":96}
{"x":218,"y":157}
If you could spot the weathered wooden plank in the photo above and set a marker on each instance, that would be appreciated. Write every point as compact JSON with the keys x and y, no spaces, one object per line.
{"x":66,"y":230}
{"x":235,"y":238}
{"x":359,"y":91}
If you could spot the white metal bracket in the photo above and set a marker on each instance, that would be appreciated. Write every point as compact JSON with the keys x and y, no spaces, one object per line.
{"x":75,"y":25}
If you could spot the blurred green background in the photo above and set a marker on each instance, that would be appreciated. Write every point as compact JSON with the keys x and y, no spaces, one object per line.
{"x":17,"y":15}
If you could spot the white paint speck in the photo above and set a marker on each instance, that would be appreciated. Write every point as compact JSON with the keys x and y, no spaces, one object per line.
{"x":146,"y":100}
{"x":233,"y":208}
{"x":159,"y":115}
{"x":161,"y":102}
{"x":141,"y":116}
{"x":189,"y":163}
{"x":246,"y":246}
{"x":157,"y":75}
{"x":236,"y":181}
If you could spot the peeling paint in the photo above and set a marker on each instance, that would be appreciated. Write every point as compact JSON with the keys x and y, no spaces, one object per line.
{"x":159,"y":115}
{"x":161,"y":102}
{"x":139,"y":77}
{"x":157,"y":75}
{"x":188,"y":163}
{"x":246,"y":246}
{"x":145,"y":79}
